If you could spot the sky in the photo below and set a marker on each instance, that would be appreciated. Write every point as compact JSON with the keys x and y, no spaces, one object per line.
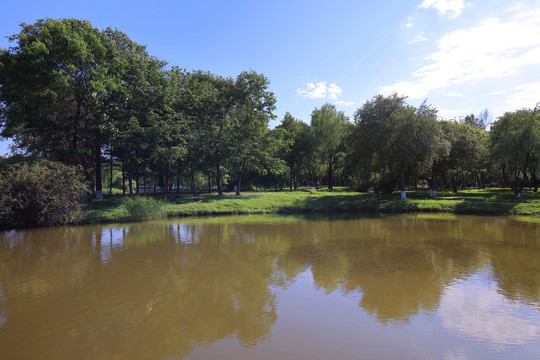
{"x":461,"y":56}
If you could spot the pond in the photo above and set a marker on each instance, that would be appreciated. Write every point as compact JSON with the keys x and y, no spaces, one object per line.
{"x":274,"y":287}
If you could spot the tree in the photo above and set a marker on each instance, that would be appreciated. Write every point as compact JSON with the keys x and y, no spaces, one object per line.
{"x":436,"y":172}
{"x":56,"y":89}
{"x":208,"y":102}
{"x":253,"y":111}
{"x":515,"y":144}
{"x":296,"y":146}
{"x":328,"y":131}
{"x":394,"y":140}
{"x":467,"y":153}
{"x":139,"y":125}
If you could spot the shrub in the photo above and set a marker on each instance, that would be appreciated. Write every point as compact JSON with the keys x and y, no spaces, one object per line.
{"x":140,"y":207}
{"x":42,"y":193}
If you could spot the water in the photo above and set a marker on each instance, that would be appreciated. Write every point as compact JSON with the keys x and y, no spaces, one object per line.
{"x":270,"y":287}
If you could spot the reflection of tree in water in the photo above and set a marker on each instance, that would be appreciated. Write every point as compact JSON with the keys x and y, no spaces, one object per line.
{"x":400,"y":267}
{"x":515,"y":256}
{"x":158,"y":290}
{"x":156,"y":297}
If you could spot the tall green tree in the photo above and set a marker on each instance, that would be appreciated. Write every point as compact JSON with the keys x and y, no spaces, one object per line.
{"x":251,"y":138}
{"x":328,"y":130}
{"x":57,"y":87}
{"x":515,"y":144}
{"x":394,"y":140}
{"x":141,"y":124}
{"x":296,"y":146}
{"x":208,"y":102}
{"x":467,"y":152}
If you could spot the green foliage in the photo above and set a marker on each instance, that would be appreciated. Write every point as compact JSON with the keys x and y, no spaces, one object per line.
{"x":515,"y":144}
{"x":143,"y":208}
{"x":329,"y":128}
{"x":296,"y":147}
{"x":467,"y":153}
{"x":42,"y":193}
{"x":392,"y":140}
{"x":73,"y":93}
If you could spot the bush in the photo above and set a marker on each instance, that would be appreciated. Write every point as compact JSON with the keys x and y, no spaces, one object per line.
{"x":42,"y":193}
{"x":140,"y":207}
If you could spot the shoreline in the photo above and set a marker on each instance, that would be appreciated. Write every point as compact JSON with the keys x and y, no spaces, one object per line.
{"x":491,"y":202}
{"x":481,"y":202}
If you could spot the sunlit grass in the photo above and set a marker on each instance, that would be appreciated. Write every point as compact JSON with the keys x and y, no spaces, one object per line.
{"x":342,"y":200}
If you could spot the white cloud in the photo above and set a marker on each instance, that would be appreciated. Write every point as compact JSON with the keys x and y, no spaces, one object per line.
{"x":482,"y":313}
{"x":525,"y":96}
{"x":313,"y":91}
{"x":321,"y":90}
{"x":492,"y":49}
{"x":345,"y":103}
{"x":451,"y":113}
{"x":334,"y":91}
{"x":418,"y":38}
{"x":452,"y":7}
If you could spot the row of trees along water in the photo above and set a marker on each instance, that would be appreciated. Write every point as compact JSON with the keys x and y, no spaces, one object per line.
{"x":96,"y":99}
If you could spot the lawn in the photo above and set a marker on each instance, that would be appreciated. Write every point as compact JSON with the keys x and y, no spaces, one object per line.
{"x":490,"y":201}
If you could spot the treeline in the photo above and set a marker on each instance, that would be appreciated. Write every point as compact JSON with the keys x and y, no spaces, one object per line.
{"x":80,"y":96}
{"x":96,"y":99}
{"x":392,"y":145}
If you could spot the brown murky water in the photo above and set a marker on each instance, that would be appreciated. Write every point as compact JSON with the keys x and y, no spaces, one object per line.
{"x":268,"y":287}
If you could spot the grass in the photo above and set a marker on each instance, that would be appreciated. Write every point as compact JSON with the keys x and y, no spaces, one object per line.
{"x":341,"y":200}
{"x":143,"y":208}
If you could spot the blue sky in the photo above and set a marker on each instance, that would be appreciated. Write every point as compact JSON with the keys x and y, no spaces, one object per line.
{"x":462,"y":56}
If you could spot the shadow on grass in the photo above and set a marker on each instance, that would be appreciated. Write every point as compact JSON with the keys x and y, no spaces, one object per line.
{"x":391,"y":204}
{"x":491,"y":208}
{"x":208,"y":198}
{"x":335,"y":204}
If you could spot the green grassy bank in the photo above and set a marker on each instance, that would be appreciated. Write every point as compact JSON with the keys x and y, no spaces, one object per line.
{"x":341,"y":200}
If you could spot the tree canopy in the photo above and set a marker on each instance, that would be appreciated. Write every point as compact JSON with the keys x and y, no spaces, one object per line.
{"x":75,"y":94}
{"x":394,"y":140}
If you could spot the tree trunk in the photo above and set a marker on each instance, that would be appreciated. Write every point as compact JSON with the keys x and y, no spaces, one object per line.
{"x":504,"y":176}
{"x":291,"y":177}
{"x":238,"y":183}
{"x":534,"y":179}
{"x":130,"y":181}
{"x":99,"y":183}
{"x":218,"y":179}
{"x":161,"y":182}
{"x":455,"y":181}
{"x":330,"y":174}
{"x":178,"y":171}
{"x":111,"y":176}
{"x":240,"y":177}
{"x":432,"y":189}
{"x":144,"y":183}
{"x":166,"y":179}
{"x":123,"y":181}
{"x":192,"y":172}
{"x":402,"y":183}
